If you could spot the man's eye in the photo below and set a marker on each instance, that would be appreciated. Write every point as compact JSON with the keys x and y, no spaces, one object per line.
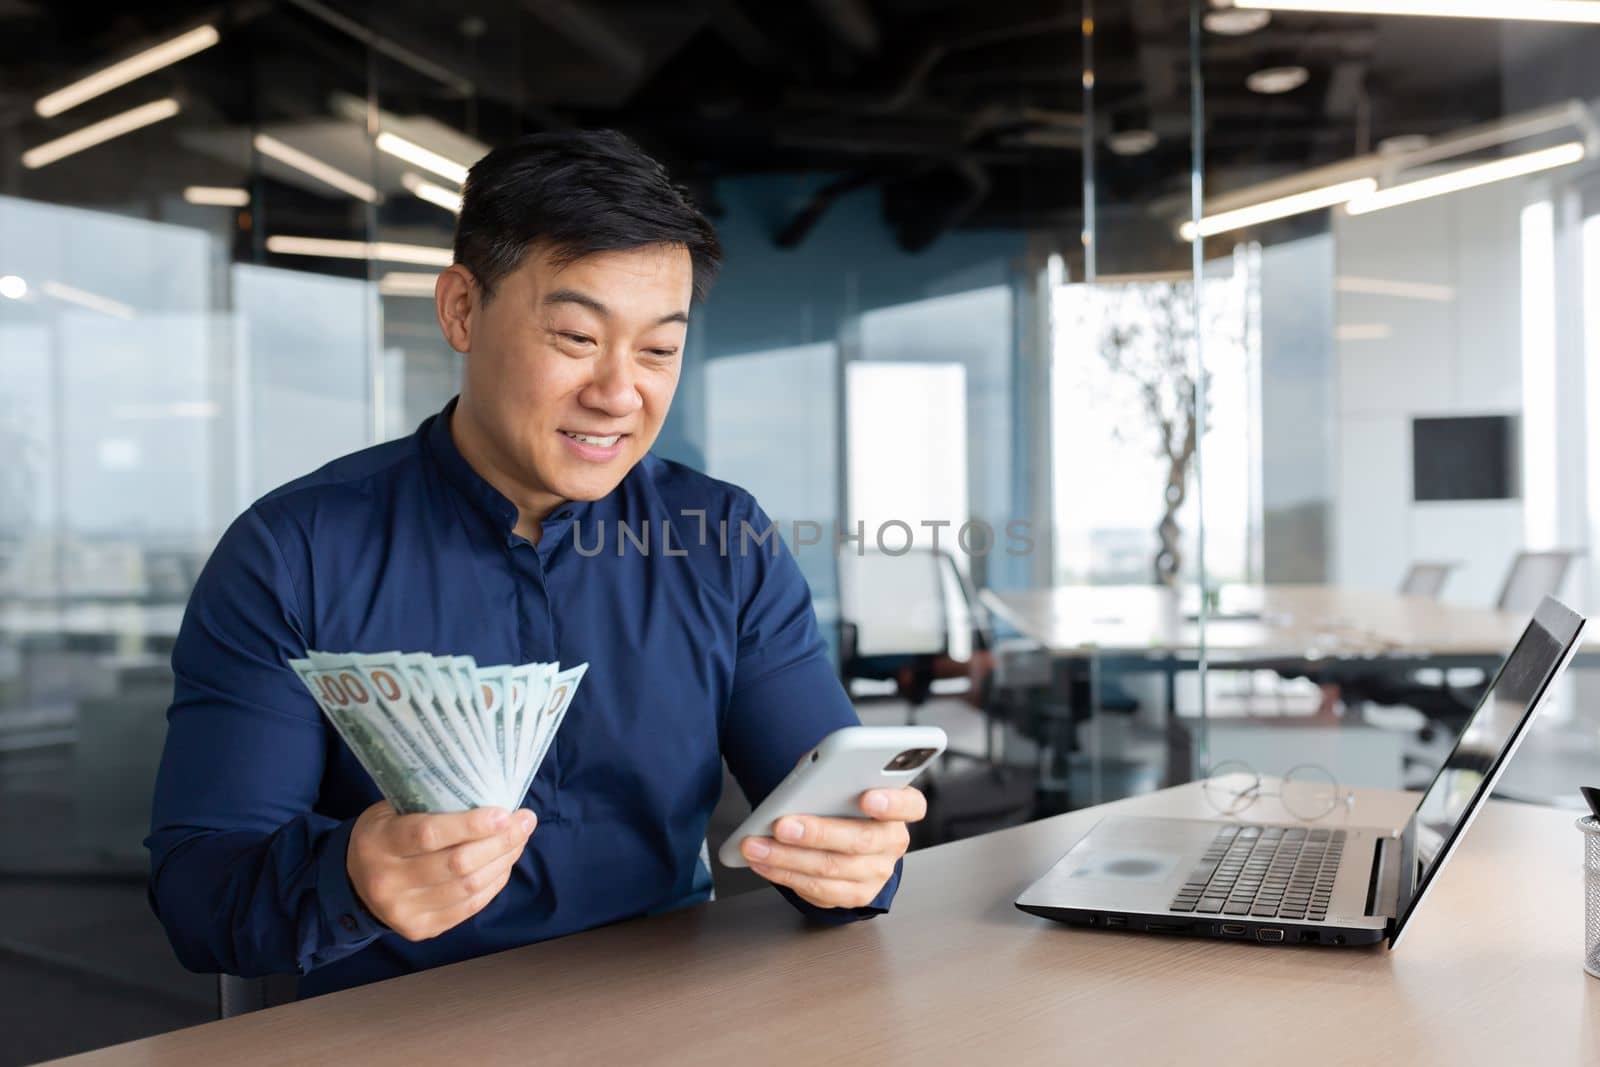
{"x":578,"y":338}
{"x":663,"y":353}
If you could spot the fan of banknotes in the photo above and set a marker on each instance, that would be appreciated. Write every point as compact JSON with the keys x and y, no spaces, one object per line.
{"x":440,"y":733}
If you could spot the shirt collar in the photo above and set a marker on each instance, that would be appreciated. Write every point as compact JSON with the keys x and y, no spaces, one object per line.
{"x":493,"y":504}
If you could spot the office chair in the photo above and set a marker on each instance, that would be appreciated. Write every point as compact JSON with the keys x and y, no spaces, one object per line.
{"x":1447,"y":704}
{"x":912,"y":619}
{"x":1534,"y":576}
{"x":907,"y":618}
{"x":238,"y":996}
{"x":1426,"y":579}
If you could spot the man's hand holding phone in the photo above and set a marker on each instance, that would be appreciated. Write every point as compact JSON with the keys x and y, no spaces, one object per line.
{"x":839,"y":862}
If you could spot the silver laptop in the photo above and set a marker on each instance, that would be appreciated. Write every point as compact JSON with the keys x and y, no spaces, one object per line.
{"x":1320,"y":883}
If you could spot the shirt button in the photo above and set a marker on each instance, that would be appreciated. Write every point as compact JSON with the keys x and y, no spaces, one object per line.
{"x":348,"y":922}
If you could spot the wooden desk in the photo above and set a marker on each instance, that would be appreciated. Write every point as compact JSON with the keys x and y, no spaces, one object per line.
{"x":1491,"y":973}
{"x":1255,"y":622}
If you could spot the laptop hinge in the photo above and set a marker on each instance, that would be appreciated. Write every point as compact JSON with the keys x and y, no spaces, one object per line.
{"x":1385,"y":878}
{"x":1409,"y":865}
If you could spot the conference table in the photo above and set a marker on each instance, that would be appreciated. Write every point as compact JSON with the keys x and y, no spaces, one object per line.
{"x":1254,"y":623}
{"x":1490,"y":972}
{"x":1334,"y":633}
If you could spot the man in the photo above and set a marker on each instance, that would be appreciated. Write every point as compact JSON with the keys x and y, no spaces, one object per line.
{"x":271,"y":851}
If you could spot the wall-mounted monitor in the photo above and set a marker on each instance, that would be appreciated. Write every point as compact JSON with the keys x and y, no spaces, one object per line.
{"x":1465,"y":458}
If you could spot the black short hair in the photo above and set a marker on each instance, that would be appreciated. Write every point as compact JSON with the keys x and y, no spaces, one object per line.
{"x":575,"y":193}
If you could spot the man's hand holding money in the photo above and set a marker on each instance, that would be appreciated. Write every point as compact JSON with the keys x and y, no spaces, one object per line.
{"x":452,"y":746}
{"x":423,"y":874}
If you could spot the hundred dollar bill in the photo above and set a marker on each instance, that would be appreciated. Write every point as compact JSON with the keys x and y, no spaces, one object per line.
{"x":463,"y":673}
{"x":433,"y":675}
{"x":516,"y":692}
{"x":409,"y":787}
{"x":490,"y":693}
{"x":404,"y":747}
{"x":563,"y":687}
{"x":417,"y":717}
{"x":535,"y":679}
{"x":367,"y":750}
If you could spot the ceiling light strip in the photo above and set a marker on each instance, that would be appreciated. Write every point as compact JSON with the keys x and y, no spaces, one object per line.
{"x":130,"y":69}
{"x":400,"y":283}
{"x":99,"y":132}
{"x":70,"y":294}
{"x":422,"y":255}
{"x":216,"y":195}
{"x":395,"y":145}
{"x":315,"y":168}
{"x":1281,"y":208}
{"x":1363,"y":331}
{"x":1351,"y":283}
{"x":1569,"y":115}
{"x":395,"y":252}
{"x":1468,"y":177}
{"x":434,"y":194}
{"x":1585,"y":11}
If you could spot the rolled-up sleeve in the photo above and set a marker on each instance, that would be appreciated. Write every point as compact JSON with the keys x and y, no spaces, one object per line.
{"x":246,"y":878}
{"x":786,"y":696}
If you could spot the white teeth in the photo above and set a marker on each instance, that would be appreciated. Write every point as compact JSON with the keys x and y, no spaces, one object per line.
{"x":589,"y":439}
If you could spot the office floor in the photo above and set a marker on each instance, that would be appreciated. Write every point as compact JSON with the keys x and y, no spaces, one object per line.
{"x":83,"y":962}
{"x":87,"y":966}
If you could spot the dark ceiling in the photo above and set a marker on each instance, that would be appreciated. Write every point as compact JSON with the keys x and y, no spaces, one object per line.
{"x":964,"y":112}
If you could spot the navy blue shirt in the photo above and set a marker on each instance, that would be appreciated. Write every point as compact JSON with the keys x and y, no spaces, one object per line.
{"x":700,"y":646}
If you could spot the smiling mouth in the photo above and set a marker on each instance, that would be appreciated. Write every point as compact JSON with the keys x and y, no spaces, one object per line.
{"x":593,"y":439}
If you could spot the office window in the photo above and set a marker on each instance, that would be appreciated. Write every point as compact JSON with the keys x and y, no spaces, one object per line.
{"x":907,"y":438}
{"x":1124,"y":359}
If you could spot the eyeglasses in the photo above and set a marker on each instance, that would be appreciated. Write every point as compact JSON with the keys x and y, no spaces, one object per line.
{"x":1308,"y":791}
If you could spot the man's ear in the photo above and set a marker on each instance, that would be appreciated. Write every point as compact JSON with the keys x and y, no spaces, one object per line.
{"x":455,"y":301}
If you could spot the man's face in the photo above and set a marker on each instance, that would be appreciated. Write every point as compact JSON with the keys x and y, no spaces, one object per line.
{"x":570,"y":371}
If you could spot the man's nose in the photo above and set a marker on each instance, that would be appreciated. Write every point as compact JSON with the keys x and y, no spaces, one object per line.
{"x":614,"y":389}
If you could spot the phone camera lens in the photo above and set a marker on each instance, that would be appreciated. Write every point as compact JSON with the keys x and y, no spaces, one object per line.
{"x":909,"y":759}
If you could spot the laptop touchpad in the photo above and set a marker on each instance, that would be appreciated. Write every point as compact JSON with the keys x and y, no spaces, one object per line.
{"x":1127,"y":865}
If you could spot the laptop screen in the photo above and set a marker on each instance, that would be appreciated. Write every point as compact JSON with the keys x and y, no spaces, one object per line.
{"x":1484,"y":746}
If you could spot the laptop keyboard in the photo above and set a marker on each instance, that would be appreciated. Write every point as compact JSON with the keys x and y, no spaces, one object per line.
{"x":1265,"y":872}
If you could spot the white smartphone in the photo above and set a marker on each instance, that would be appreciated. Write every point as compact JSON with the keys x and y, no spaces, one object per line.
{"x":830,"y":779}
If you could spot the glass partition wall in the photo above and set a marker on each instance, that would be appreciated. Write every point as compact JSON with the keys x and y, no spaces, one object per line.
{"x":210,"y":267}
{"x":1134,"y":419}
{"x":1412,"y":195}
{"x":216,"y":269}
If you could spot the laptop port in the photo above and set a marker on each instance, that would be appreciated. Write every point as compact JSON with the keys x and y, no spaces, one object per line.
{"x":1269,"y":933}
{"x":1233,"y":929}
{"x":1310,"y":937}
{"x":1157,"y":927}
{"x":1116,"y":922}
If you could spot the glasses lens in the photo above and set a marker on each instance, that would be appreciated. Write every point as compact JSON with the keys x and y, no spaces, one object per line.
{"x":1231,"y":787}
{"x":1310,"y":791}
